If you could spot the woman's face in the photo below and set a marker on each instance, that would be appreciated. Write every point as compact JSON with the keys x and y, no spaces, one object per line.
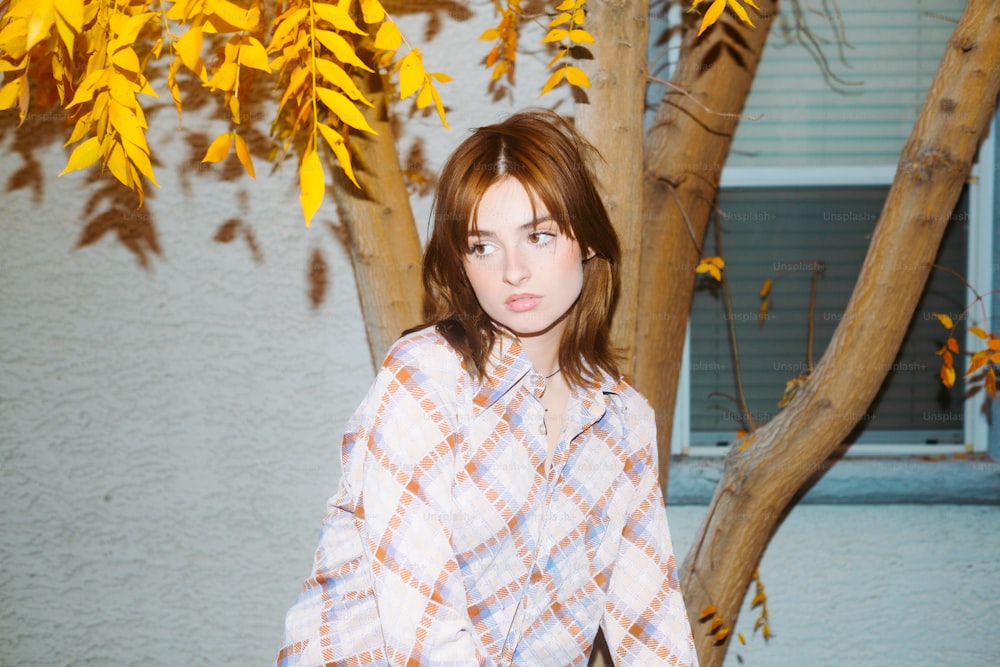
{"x":525,"y":272}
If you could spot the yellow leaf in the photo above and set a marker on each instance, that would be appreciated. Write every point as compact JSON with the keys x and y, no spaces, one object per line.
{"x":743,"y":641}
{"x":188,"y":49}
{"x":561,"y":53}
{"x":993,"y":343}
{"x":978,"y":361}
{"x":344,"y":108}
{"x":577,"y":76}
{"x":721,"y":635}
{"x":336,"y":75}
{"x":712,"y":15}
{"x":424,"y":97}
{"x":979,"y":333}
{"x":556,"y":35}
{"x":766,"y":289}
{"x":715,"y":624}
{"x":121,"y":90}
{"x":79,"y":130}
{"x":341,"y":49}
{"x":312,"y":184}
{"x":252,"y":54}
{"x":991,"y":382}
{"x":10,"y":93}
{"x":40,"y":22}
{"x":284,"y":27}
{"x":66,"y":35}
{"x":945,"y":320}
{"x":490,"y":34}
{"x":566,"y":5}
{"x":243,"y":153}
{"x":126,"y":124}
{"x":388,"y":37}
{"x":554,"y":80}
{"x":83,"y":155}
{"x":119,"y":166}
{"x":438,"y":76}
{"x":225,"y":78}
{"x":579,"y":16}
{"x":338,"y":17}
{"x":140,"y":159}
{"x":72,"y":12}
{"x":565,"y":17}
{"x":126,"y":59}
{"x":439,"y":106}
{"x":759,"y":598}
{"x":952,"y":344}
{"x":709,"y":611}
{"x":225,"y":16}
{"x":742,"y":13}
{"x":372,"y":10}
{"x":948,"y":376}
{"x":127,"y":31}
{"x":219,"y":148}
{"x":336,"y":143}
{"x":411,"y":74}
{"x":581,"y":36}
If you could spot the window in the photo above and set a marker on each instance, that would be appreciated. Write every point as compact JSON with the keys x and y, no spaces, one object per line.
{"x":805,"y":183}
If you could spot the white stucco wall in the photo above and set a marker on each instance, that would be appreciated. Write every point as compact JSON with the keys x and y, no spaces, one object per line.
{"x":168,"y":437}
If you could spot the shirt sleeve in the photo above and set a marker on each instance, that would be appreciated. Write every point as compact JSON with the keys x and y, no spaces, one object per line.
{"x":394,"y":508}
{"x":645,"y":621}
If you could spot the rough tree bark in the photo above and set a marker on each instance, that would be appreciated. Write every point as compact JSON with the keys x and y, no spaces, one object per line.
{"x":611,"y":118}
{"x":385,"y":247}
{"x":685,"y":150}
{"x":761,"y":479}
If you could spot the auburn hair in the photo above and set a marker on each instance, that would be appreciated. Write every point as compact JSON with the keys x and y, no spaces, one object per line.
{"x":550,"y":159}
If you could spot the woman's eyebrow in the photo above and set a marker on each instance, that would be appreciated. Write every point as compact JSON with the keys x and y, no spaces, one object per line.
{"x":486,"y":234}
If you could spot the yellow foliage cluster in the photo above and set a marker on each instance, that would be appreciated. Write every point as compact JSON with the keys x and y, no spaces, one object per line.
{"x":714,"y":11}
{"x":91,"y":50}
{"x":566,"y":28}
{"x":987,"y":358}
{"x":713,"y":266}
{"x":504,"y":53}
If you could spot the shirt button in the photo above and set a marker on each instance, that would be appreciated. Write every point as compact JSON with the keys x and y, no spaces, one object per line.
{"x":535,"y":379}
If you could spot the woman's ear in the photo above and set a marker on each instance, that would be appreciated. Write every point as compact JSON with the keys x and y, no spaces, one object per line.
{"x":590,"y":255}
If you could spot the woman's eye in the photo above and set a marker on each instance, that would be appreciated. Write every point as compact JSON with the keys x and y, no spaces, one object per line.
{"x":540,"y":238}
{"x":480,"y":250}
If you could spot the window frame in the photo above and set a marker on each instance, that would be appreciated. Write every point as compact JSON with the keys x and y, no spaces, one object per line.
{"x":980,"y":274}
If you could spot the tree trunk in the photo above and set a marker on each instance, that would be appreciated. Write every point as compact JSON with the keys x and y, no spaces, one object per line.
{"x":385,"y":247}
{"x":684,"y":153}
{"x":611,"y":119}
{"x":762,"y":477}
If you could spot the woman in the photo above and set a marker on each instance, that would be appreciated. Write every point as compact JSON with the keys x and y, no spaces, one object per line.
{"x":499,"y":498}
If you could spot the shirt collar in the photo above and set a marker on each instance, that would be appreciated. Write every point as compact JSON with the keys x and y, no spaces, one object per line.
{"x":508,"y":363}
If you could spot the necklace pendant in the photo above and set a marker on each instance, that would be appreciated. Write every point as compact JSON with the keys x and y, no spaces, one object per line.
{"x":541,"y":428}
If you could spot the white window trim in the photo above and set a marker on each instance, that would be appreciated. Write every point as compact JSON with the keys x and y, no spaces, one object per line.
{"x":980,"y":275}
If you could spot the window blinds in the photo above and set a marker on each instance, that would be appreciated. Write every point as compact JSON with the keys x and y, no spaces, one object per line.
{"x":862,"y":114}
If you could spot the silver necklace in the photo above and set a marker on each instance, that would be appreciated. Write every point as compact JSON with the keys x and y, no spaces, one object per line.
{"x":543,"y":429}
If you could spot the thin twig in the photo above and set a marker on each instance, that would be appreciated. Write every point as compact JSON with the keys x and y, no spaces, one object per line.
{"x":740,"y":393}
{"x":738,"y":116}
{"x":687,"y":221}
{"x":812,"y":316}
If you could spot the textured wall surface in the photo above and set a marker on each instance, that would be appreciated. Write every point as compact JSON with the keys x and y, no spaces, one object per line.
{"x":168,"y":435}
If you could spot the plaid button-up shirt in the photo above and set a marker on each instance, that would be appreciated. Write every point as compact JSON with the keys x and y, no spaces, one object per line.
{"x":448,"y":544}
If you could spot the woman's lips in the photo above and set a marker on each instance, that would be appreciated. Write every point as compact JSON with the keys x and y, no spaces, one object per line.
{"x":520,"y":303}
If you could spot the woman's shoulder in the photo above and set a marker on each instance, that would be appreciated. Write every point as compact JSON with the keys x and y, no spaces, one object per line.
{"x":425,"y":351}
{"x":632,"y":400}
